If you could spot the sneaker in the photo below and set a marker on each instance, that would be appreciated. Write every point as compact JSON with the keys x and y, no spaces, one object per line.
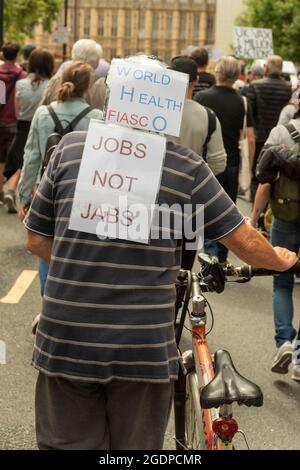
{"x":10,"y":202}
{"x":2,"y":198}
{"x":296,"y":373}
{"x":35,"y":323}
{"x":283,"y":358}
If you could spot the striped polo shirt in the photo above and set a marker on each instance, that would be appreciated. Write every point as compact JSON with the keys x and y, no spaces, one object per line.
{"x":108,"y":307}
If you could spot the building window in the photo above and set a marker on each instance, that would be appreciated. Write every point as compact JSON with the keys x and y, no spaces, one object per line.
{"x":169,"y":27}
{"x":168,"y":57}
{"x":196,"y":27}
{"x":113,"y":53}
{"x":155,"y":26}
{"x":114,"y":26}
{"x":210,"y":29}
{"x":182,"y":26}
{"x":141,"y":26}
{"x":101,"y":25}
{"x":128,"y":24}
{"x":87,"y":21}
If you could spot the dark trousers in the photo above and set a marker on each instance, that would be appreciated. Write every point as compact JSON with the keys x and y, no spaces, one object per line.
{"x":7,"y":135}
{"x":14,"y":160}
{"x":254,"y":181}
{"x":120,"y":415}
{"x":229,"y":180}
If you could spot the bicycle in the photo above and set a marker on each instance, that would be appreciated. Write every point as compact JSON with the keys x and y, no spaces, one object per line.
{"x":208,"y":387}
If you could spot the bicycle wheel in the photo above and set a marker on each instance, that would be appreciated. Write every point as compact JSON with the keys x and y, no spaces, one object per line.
{"x":195,"y":438}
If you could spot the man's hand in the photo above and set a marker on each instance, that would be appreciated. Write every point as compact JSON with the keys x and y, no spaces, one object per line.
{"x":23,"y":209}
{"x":286,"y":258}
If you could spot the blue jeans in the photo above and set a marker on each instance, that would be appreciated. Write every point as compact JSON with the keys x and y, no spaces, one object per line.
{"x":229,"y":180}
{"x":43,"y":273}
{"x":287,"y":235}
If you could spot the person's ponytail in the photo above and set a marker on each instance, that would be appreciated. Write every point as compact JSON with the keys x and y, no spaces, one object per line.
{"x":75,"y":81}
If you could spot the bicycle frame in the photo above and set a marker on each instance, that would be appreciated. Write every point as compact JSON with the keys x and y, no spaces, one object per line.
{"x":198,"y":376}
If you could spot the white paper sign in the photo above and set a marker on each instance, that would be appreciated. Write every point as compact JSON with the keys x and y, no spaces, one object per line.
{"x":146,"y":96}
{"x":118,"y":182}
{"x":253,"y":43}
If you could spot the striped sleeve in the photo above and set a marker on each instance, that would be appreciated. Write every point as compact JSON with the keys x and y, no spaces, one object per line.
{"x":221,"y":216}
{"x":41,"y":216}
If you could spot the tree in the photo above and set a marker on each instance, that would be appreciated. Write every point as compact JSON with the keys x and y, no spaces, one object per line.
{"x":283,"y":17}
{"x":20,"y":16}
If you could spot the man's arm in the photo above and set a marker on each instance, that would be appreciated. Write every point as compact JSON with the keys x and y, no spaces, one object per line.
{"x":252,"y":146}
{"x":216,"y":154}
{"x":262,"y":198}
{"x":39,"y":245}
{"x":252,"y":248}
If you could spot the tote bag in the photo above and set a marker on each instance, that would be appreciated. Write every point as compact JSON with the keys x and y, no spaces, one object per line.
{"x":244,"y":171}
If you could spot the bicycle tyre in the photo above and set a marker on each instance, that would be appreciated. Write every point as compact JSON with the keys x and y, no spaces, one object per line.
{"x":195,"y":438}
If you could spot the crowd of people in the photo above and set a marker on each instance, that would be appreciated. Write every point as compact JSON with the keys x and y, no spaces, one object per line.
{"x":92,"y":288}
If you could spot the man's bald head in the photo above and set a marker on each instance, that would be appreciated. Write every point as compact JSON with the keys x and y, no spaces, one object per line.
{"x":274,"y":65}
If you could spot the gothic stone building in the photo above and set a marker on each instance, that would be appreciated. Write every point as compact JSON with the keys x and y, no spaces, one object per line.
{"x":124,"y":27}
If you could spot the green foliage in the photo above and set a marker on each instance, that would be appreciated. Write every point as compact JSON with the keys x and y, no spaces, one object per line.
{"x":283,"y":17}
{"x":20,"y":16}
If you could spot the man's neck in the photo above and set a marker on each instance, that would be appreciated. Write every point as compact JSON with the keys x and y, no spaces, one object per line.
{"x":9,"y":62}
{"x":202,"y":69}
{"x":224,"y":84}
{"x":189,"y":93}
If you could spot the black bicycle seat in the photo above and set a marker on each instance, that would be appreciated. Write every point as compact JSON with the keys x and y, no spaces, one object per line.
{"x":228,"y":386}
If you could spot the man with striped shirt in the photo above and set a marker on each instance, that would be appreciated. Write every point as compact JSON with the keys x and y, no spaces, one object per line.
{"x":105,"y":347}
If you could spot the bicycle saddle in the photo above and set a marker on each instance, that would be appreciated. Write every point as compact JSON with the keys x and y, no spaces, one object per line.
{"x":228,"y":386}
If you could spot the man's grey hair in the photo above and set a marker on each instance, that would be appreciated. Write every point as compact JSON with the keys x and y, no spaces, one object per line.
{"x":257,"y":69}
{"x":274,"y":65}
{"x":227,"y":70}
{"x":88,"y":51}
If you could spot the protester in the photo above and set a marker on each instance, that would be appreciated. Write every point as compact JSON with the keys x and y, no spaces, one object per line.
{"x":106,"y":330}
{"x":268,"y":97}
{"x":195,"y":133}
{"x":290,"y":110}
{"x":26,"y":51}
{"x":29,"y":92}
{"x":230,"y":110}
{"x":276,"y":160}
{"x":205,"y":79}
{"x":10,"y":73}
{"x":70,"y":104}
{"x":102,"y":69}
{"x":90,"y":52}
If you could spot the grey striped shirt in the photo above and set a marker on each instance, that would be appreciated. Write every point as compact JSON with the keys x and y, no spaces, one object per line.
{"x":108,"y":308}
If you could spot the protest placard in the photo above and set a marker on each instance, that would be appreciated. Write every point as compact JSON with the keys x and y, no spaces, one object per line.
{"x":145,"y":95}
{"x":253,"y":43}
{"x":118,"y":182}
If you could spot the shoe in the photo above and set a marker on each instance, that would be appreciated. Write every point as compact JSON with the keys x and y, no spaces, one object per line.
{"x":283,"y":358}
{"x":35,"y":323}
{"x":10,"y":202}
{"x":2,"y":198}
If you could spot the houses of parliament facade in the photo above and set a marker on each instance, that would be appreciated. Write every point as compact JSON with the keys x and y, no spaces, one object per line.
{"x":124,"y":27}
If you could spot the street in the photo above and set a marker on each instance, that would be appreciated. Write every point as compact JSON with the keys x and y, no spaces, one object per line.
{"x":243,"y":325}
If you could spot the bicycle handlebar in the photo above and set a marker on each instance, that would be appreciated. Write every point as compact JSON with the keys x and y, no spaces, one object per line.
{"x":249,"y":272}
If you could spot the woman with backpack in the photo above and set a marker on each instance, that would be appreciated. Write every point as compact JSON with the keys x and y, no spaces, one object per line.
{"x":278,"y":172}
{"x":69,"y":113}
{"x":29,"y":92}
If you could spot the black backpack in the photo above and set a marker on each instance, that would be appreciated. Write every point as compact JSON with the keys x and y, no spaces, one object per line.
{"x":212,"y":125}
{"x":59,"y":131}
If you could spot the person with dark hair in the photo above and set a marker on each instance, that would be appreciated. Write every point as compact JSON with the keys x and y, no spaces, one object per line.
{"x":70,"y":105}
{"x":26,"y":51}
{"x":10,"y":73}
{"x":205,"y":79}
{"x":29,"y":92}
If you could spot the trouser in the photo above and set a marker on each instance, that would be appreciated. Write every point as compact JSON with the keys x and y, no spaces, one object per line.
{"x":120,"y":415}
{"x":7,"y":135}
{"x":254,"y":180}
{"x":287,"y":235}
{"x":43,"y":273}
{"x":229,"y":180}
{"x":15,"y":156}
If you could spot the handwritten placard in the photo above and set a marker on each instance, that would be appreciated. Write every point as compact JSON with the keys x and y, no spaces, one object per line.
{"x":146,"y":96}
{"x":253,"y":43}
{"x":118,"y":182}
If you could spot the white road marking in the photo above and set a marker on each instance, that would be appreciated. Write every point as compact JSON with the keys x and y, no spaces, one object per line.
{"x":19,"y":288}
